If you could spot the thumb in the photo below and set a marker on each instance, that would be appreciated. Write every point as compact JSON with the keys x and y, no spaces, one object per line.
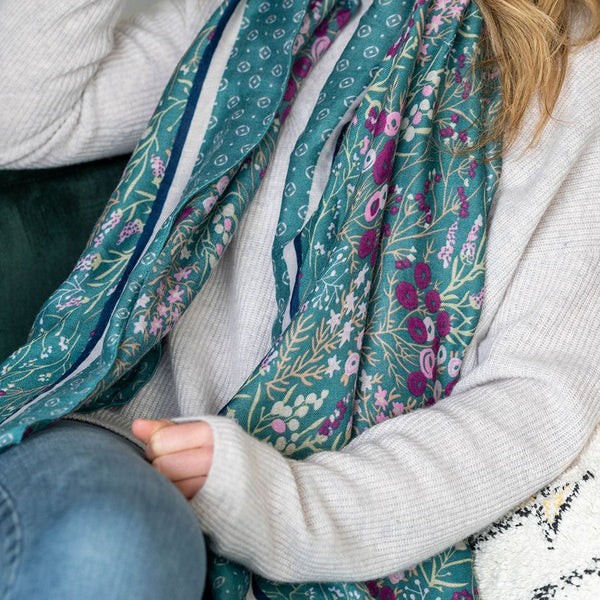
{"x":144,"y":429}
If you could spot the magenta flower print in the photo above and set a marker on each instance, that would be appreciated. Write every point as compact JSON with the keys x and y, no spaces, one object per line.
{"x":417,"y":330}
{"x":416,"y":383}
{"x":432,"y":301}
{"x":302,"y":67}
{"x":343,"y":17}
{"x":367,"y":244}
{"x":422,"y":275}
{"x":290,"y":90}
{"x":382,"y":169}
{"x":387,"y":593}
{"x":321,"y":30}
{"x":407,"y":295}
{"x":443,"y":324}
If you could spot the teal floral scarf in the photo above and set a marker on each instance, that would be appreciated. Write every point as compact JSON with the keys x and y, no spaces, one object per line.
{"x":379,"y":277}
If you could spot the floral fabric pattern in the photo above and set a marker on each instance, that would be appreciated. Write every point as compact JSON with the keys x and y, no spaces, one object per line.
{"x":380,"y":281}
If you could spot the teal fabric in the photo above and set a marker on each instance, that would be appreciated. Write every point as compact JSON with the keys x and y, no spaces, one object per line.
{"x":381,"y":288}
{"x":46,"y":216}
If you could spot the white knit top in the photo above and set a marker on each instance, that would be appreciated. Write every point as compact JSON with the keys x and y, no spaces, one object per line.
{"x":77,"y":84}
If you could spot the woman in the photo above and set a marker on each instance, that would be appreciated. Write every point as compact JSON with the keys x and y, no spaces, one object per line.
{"x":414,"y":482}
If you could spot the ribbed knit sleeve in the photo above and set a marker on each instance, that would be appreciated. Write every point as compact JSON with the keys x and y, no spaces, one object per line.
{"x":77,"y":84}
{"x":412,"y":486}
{"x":520,"y":414}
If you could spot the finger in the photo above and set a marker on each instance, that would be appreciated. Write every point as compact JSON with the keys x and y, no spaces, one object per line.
{"x":190,"y":487}
{"x":168,"y":440}
{"x":186,"y":464}
{"x":143,"y":429}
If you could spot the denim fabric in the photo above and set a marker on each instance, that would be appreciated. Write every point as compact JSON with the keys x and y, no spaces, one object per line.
{"x":84,"y":516}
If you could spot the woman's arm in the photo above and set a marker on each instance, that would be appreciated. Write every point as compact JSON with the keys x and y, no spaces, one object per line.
{"x":414,"y":485}
{"x":77,"y":84}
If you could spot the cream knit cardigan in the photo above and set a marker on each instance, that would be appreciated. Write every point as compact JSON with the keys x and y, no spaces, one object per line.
{"x":77,"y":85}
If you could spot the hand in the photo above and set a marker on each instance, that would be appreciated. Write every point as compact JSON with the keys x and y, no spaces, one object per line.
{"x":181,"y":452}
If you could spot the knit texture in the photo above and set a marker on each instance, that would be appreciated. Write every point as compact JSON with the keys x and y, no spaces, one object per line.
{"x":529,"y":394}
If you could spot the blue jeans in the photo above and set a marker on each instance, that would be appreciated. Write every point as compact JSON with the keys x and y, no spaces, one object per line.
{"x":84,"y":516}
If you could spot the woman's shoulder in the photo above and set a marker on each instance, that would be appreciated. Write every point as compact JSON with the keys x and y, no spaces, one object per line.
{"x":580,"y":95}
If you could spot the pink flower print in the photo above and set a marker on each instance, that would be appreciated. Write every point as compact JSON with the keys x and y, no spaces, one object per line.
{"x":113,"y":220}
{"x":175,"y":314}
{"x":305,"y":25}
{"x":158,"y":166}
{"x":155,"y":325}
{"x":365,"y":144}
{"x":427,"y":90}
{"x":375,"y":204}
{"x":175,"y":294}
{"x":454,"y":365}
{"x":208,"y":203}
{"x":423,"y":49}
{"x":352,"y":362}
{"x":130,"y":229}
{"x":162,"y":288}
{"x":227,"y":224}
{"x":434,"y":24}
{"x":456,"y":10}
{"x":86,"y":263}
{"x":380,"y":397}
{"x":397,"y":408}
{"x":382,"y":169}
{"x":467,"y":252}
{"x":427,"y":362}
{"x":76,"y":301}
{"x":219,"y":248}
{"x":183,"y":274}
{"x":298,"y":41}
{"x":392,"y":123}
{"x":140,"y":325}
{"x":278,"y":426}
{"x":319,"y":47}
{"x":477,"y":299}
{"x":380,"y":418}
{"x":445,"y":254}
{"x":396,"y":577}
{"x":222,"y":184}
{"x":98,"y":240}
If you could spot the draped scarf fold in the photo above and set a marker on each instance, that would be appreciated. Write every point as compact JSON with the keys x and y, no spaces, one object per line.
{"x":379,"y":270}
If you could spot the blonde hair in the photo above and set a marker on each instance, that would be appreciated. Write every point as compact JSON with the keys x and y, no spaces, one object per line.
{"x":529,"y":42}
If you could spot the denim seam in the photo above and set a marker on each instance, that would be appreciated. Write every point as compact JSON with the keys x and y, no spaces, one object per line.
{"x":11,"y":529}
